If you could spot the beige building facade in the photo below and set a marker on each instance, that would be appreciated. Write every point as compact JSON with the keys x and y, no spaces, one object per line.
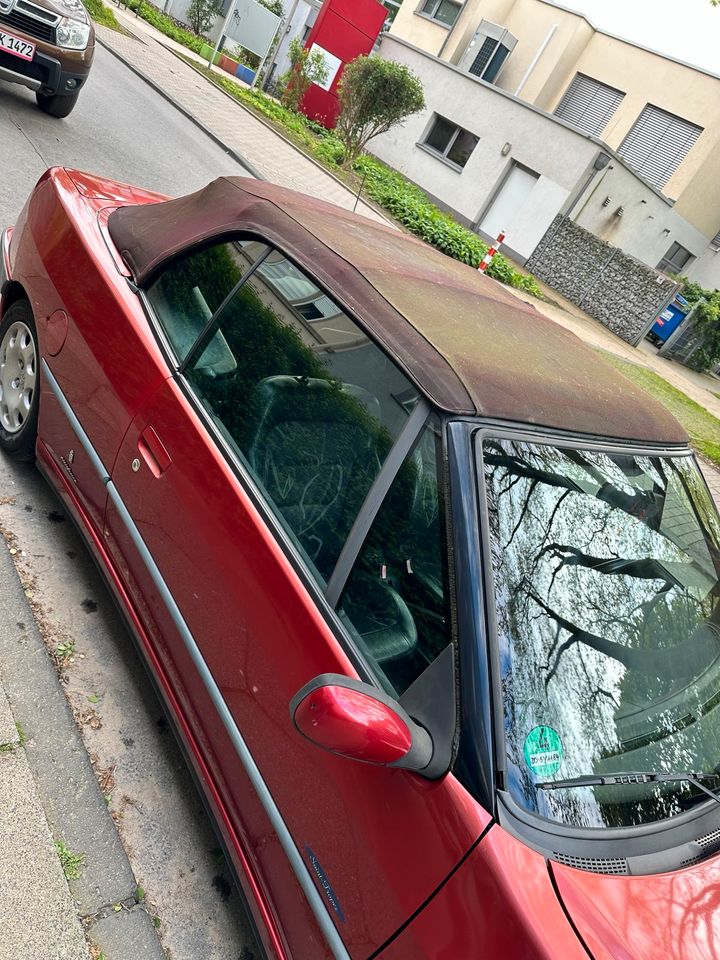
{"x":658,"y":117}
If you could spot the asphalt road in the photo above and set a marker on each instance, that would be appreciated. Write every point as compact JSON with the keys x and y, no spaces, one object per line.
{"x":122,"y":129}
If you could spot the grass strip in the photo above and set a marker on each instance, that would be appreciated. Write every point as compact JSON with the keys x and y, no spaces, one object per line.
{"x":102,"y":14}
{"x":702,"y":427}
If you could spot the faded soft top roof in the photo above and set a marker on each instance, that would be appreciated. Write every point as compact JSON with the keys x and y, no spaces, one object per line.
{"x":471,"y":346}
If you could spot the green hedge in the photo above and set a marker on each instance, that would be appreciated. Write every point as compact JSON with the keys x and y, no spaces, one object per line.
{"x":707,"y":321}
{"x":411,"y":207}
{"x":101,"y":14}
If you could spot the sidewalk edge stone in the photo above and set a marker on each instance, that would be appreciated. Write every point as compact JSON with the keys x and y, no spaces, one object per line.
{"x":58,"y":761}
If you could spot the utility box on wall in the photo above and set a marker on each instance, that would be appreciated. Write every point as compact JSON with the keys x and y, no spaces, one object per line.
{"x":344,"y":30}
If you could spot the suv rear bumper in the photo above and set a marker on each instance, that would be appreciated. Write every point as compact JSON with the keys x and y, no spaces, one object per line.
{"x":41,"y":73}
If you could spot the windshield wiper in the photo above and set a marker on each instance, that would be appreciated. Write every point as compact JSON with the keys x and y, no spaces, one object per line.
{"x":658,"y":776}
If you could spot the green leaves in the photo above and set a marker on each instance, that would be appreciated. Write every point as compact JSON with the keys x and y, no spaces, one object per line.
{"x":305,"y":68}
{"x":70,"y":862}
{"x":374,"y":95}
{"x":408,"y":204}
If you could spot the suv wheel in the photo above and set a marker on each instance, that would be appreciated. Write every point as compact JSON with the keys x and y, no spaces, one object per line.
{"x":57,"y":105}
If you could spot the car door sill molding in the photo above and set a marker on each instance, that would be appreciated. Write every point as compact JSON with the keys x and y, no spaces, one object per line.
{"x":301,"y":871}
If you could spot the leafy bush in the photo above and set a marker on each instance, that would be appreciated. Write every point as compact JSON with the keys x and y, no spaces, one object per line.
{"x":330,"y":150}
{"x":707,"y":322}
{"x":408,"y":204}
{"x":374,"y":94}
{"x":201,"y":14}
{"x":101,"y":14}
{"x":305,"y":68}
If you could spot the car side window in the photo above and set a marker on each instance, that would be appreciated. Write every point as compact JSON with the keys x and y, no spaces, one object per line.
{"x":193,"y":288}
{"x":311,"y":405}
{"x":395,"y":602}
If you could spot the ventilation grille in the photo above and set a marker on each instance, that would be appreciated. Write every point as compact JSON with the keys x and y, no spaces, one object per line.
{"x":710,"y":844}
{"x":710,"y":840}
{"x":616,"y":865}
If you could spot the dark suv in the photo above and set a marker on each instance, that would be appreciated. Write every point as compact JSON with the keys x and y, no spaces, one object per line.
{"x":47,"y":45}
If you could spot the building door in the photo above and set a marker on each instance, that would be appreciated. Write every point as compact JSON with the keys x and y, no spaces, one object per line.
{"x":508,"y":202}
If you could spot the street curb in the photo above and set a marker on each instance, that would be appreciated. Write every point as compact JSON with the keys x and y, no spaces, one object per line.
{"x":238,"y":157}
{"x":69,"y":793}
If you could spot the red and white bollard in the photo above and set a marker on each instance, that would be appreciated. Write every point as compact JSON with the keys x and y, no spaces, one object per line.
{"x":486,"y":260}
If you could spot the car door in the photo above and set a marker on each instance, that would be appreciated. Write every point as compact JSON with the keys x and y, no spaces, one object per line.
{"x":244,"y":477}
{"x":99,"y":364}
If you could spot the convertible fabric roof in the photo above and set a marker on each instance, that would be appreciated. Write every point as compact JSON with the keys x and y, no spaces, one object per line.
{"x":470,"y":346}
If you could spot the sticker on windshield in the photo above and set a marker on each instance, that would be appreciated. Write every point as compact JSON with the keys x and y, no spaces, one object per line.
{"x":543,"y":751}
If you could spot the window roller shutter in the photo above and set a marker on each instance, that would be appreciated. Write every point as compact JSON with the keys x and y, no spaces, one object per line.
{"x":589,"y":104}
{"x":658,"y":143}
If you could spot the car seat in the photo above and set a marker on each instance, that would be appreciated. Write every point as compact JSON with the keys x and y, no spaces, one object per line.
{"x":316,"y":448}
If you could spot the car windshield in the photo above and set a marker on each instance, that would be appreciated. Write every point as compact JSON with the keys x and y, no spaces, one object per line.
{"x":608,"y":626}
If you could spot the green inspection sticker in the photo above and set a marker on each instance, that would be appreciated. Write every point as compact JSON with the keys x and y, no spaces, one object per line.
{"x":543,"y":751}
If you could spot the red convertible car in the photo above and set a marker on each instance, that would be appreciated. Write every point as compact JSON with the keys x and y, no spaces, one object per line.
{"x":430,"y":591}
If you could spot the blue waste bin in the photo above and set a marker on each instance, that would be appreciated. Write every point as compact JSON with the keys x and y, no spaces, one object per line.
{"x":669,"y":320}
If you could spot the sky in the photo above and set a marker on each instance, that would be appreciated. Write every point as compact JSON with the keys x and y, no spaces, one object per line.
{"x":688,"y":30}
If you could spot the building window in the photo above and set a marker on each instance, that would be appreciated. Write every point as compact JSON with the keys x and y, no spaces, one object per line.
{"x":675,"y":260}
{"x":450,"y":141}
{"x":487,"y":51}
{"x":658,"y":143}
{"x":392,"y":7}
{"x":444,"y":11}
{"x":589,"y":104}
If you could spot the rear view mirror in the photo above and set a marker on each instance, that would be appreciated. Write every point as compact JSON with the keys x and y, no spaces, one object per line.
{"x":358,"y":721}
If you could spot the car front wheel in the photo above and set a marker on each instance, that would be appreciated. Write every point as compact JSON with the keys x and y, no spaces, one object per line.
{"x":19,"y":382}
{"x":57,"y":105}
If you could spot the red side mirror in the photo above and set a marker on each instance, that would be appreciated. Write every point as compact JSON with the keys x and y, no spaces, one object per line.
{"x":360,"y":722}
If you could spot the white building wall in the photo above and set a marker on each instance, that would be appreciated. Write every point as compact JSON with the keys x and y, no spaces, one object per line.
{"x":511,"y":130}
{"x":559,"y":154}
{"x":303,"y":17}
{"x":648,"y":225}
{"x":706,"y":269}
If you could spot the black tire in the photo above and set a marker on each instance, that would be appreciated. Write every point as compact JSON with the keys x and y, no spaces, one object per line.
{"x":57,"y":105}
{"x":18,"y":423}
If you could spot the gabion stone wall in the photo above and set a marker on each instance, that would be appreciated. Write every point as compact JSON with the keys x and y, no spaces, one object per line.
{"x":611,"y":286}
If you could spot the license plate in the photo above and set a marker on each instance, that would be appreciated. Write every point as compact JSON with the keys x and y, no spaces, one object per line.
{"x":13,"y":44}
